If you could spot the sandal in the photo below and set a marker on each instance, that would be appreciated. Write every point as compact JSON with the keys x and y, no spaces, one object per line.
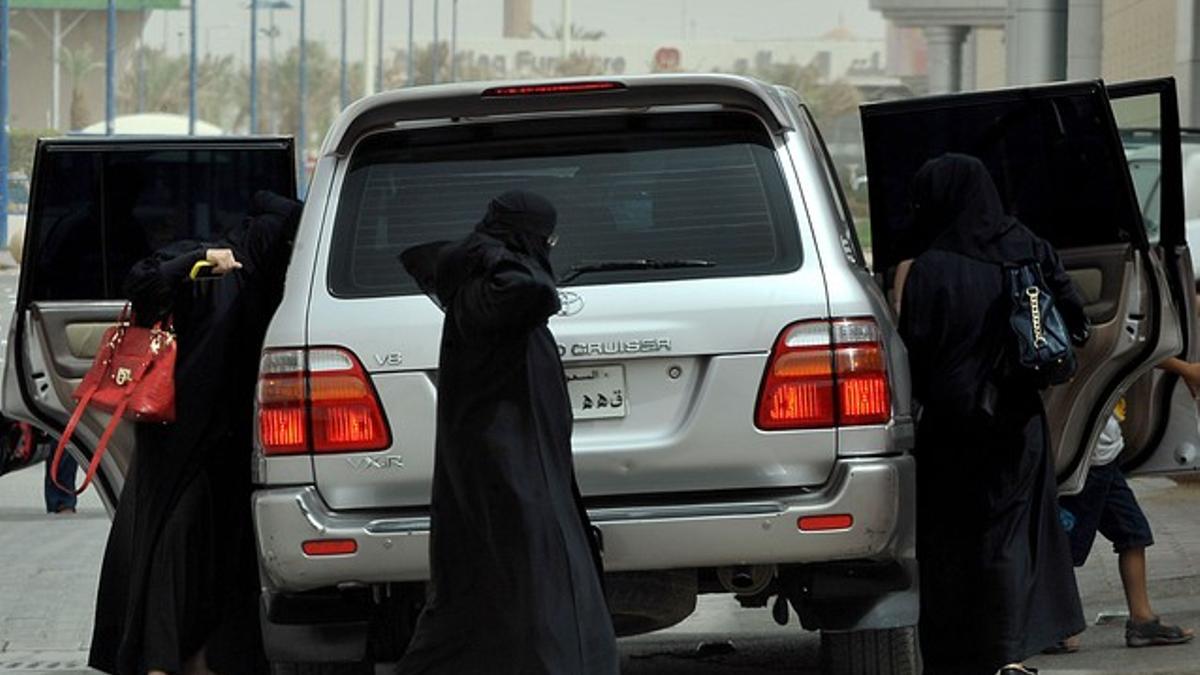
{"x":1017,"y":669}
{"x":1154,"y":633}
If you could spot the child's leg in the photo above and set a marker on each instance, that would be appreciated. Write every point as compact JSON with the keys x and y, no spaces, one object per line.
{"x":1132,"y":564}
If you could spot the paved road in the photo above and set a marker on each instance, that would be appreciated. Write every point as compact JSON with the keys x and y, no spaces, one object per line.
{"x":49,"y":565}
{"x":48,"y":568}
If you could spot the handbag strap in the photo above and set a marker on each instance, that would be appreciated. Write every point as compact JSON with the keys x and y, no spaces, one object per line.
{"x":102,"y":446}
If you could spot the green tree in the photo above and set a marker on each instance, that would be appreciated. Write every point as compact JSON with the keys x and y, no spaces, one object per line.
{"x":322,"y":102}
{"x":426,"y":58}
{"x":578,"y":33}
{"x":826,"y":101}
{"x":221,"y":87}
{"x":78,"y":64}
{"x":165,"y":82}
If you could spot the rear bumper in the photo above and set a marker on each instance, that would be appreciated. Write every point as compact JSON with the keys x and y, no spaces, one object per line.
{"x":878,"y":492}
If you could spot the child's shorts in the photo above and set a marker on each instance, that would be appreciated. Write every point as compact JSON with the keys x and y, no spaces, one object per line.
{"x":1106,"y":505}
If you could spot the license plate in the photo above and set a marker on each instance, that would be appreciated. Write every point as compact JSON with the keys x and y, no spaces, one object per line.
{"x":597,"y":392}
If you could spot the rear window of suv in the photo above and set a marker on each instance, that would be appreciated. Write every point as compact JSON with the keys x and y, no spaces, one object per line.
{"x":668,"y":186}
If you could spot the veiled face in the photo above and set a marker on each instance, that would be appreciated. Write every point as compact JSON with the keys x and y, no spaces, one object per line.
{"x":953,"y":189}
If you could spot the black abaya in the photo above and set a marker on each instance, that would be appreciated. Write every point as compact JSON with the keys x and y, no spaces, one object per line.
{"x":997,"y":584}
{"x":180,"y":572}
{"x":515,"y":587}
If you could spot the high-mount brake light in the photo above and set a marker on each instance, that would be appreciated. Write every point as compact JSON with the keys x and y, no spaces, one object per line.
{"x":552,"y":89}
{"x":318,"y":400}
{"x":825,"y":374}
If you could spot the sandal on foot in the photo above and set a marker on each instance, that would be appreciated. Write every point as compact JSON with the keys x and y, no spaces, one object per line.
{"x":1154,"y":633}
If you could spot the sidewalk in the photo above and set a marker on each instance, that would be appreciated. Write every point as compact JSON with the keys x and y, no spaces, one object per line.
{"x":49,"y":567}
{"x":1174,"y":571}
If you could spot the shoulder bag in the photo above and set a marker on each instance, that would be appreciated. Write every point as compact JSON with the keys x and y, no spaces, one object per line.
{"x":132,"y":378}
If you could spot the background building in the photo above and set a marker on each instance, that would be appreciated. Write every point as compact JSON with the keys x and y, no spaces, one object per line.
{"x":58,"y":58}
{"x":968,"y":44}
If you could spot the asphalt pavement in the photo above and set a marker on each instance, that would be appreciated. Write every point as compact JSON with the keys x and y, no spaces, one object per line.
{"x":49,"y":566}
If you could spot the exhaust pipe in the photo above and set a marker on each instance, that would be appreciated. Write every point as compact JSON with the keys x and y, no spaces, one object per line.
{"x":746,"y":579}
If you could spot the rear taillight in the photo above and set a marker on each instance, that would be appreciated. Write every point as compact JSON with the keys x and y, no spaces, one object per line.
{"x":825,"y":374}
{"x":317,"y":400}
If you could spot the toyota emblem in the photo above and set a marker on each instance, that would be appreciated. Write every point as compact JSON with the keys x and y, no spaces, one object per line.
{"x":571,"y":303}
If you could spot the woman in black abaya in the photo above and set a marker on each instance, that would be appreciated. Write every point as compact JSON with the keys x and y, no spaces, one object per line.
{"x":179,"y":583}
{"x":515,"y":585}
{"x":997,"y":584}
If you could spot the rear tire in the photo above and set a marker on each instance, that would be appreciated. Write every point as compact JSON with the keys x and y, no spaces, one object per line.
{"x":870,"y":652}
{"x":322,"y":669}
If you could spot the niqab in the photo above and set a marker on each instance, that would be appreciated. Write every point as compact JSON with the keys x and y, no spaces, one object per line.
{"x":957,"y":208}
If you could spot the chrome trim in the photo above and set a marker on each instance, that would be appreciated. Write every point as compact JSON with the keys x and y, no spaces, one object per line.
{"x":684,"y":511}
{"x":398,"y":525}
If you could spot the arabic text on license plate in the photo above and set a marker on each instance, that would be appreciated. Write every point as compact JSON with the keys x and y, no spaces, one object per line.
{"x":597,"y":392}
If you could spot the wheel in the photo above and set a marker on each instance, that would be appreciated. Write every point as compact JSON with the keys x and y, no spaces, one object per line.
{"x":870,"y":652}
{"x":642,"y":602}
{"x":322,"y":669}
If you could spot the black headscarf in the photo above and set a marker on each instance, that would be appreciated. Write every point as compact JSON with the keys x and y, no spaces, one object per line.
{"x":523,"y":221}
{"x":250,"y":239}
{"x":520,"y":220}
{"x":956,"y":207}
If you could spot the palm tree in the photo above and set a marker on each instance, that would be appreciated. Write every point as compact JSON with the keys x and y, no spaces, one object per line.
{"x":578,"y":33}
{"x":79,"y":63}
{"x":17,"y":37}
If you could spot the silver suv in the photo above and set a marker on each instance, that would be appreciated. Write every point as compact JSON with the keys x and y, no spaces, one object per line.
{"x":740,"y":394}
{"x":741,"y":398}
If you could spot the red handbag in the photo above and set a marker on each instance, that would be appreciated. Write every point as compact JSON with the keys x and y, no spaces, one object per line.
{"x":132,"y":377}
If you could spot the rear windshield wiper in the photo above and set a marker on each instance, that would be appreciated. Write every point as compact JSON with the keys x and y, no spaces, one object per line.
{"x":583,"y":268}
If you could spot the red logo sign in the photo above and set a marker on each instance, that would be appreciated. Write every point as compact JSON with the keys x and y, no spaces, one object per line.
{"x":667,"y":58}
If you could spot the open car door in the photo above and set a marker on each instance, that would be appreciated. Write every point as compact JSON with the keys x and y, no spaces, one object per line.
{"x":1057,"y":159}
{"x":97,"y":207}
{"x":1161,"y":427}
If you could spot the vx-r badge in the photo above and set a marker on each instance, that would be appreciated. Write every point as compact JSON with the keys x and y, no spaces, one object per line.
{"x":571,"y":302}
{"x":361,"y":464}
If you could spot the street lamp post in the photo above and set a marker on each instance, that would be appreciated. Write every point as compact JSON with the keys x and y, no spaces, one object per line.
{"x":4,"y":122}
{"x":345,"y":83}
{"x":435,"y":60}
{"x":566,"y":30}
{"x":454,"y":41}
{"x":192,"y":72}
{"x":272,"y":31}
{"x":110,"y":72}
{"x":253,"y":66}
{"x":412,"y":56}
{"x":301,"y":132}
{"x":379,"y":46}
{"x":141,"y":68}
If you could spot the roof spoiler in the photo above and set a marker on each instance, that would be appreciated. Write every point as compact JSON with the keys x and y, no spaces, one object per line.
{"x":385,"y":110}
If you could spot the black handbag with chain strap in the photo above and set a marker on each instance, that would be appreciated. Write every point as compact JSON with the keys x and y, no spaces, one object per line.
{"x":1041,"y":344}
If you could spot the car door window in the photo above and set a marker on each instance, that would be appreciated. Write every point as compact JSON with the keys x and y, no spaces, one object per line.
{"x":100,"y":212}
{"x":1140,"y":123}
{"x":1050,"y":155}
